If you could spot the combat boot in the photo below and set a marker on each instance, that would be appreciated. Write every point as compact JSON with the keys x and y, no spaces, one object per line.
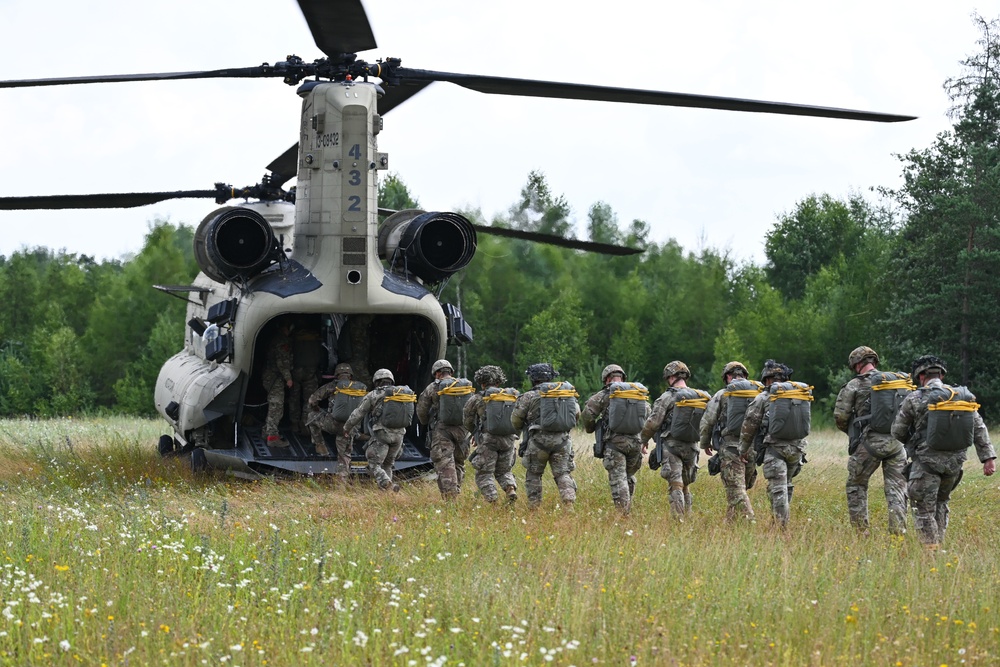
{"x":321,"y":449}
{"x":276,"y":441}
{"x":511,"y":492}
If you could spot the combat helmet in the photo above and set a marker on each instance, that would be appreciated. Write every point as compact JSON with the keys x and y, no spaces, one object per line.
{"x":442,"y":365}
{"x":541,"y":372}
{"x":733,"y":366}
{"x":383,"y":374}
{"x":776,"y":370}
{"x":927,"y":362}
{"x":490,"y":376}
{"x":676,"y":368}
{"x":343,"y":369}
{"x":609,"y":370}
{"x":859,"y":354}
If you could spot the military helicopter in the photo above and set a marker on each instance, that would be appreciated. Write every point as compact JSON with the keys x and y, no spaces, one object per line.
{"x":318,"y":257}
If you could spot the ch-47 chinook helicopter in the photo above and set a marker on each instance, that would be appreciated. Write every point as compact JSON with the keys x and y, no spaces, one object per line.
{"x":316,"y":255}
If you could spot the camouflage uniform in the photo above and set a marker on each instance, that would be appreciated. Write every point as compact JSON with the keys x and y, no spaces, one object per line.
{"x":782,"y":458}
{"x":867,"y":453}
{"x":622,"y":452}
{"x":307,"y":357}
{"x":320,"y":421}
{"x":448,"y":445}
{"x":543,"y":447}
{"x":934,"y":474}
{"x":385,"y":444}
{"x":737,"y":475}
{"x":277,"y":373}
{"x":494,"y":455}
{"x":680,"y":459}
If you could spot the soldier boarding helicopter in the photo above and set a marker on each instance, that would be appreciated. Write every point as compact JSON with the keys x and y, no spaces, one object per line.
{"x":365,"y":293}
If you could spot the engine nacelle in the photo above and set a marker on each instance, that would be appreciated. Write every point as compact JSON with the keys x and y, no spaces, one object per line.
{"x":431,"y":246}
{"x":234,"y":242}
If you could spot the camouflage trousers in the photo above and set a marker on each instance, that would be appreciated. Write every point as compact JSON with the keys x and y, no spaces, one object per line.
{"x":622,"y":460}
{"x":930,"y":492}
{"x":556,"y":450}
{"x":448,"y":453}
{"x":304,"y":383}
{"x":492,"y":459}
{"x":382,"y":449}
{"x":736,"y":477}
{"x":324,"y":422}
{"x":860,"y":467}
{"x":680,"y":467}
{"x":275,"y":387}
{"x":782,"y":462}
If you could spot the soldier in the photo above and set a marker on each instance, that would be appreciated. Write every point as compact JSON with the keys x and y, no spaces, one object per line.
{"x":870,"y":444}
{"x":386,"y":440}
{"x":783,"y":456}
{"x":622,"y":452}
{"x":487,"y":418}
{"x":540,"y":446}
{"x":439,"y":408}
{"x":720,"y":427}
{"x":938,"y":423}
{"x":277,"y":376}
{"x":307,"y":359}
{"x":343,"y":395}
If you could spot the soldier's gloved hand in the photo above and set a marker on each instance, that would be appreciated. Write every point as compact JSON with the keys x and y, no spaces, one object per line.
{"x":708,"y":450}
{"x":645,"y":447}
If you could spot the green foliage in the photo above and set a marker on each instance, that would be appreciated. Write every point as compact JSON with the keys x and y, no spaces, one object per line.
{"x":134,"y":391}
{"x":393,"y":194}
{"x":556,"y":335}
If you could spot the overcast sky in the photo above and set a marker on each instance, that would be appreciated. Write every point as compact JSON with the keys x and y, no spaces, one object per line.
{"x":702,"y":177}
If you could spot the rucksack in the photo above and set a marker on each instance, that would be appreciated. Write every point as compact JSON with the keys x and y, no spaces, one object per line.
{"x":685,"y":419}
{"x":559,"y":408}
{"x":397,"y":407}
{"x":453,"y":394}
{"x":627,"y":407}
{"x":950,"y":425}
{"x":789,"y":411}
{"x":888,"y":391}
{"x":499,"y":406}
{"x":346,"y":397}
{"x":739,"y":394}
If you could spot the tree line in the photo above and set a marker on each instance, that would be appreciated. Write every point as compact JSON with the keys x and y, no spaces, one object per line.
{"x":909,"y":272}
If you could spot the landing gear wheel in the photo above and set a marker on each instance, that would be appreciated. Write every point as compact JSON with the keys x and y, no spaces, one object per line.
{"x":199,"y":463}
{"x":166,"y":445}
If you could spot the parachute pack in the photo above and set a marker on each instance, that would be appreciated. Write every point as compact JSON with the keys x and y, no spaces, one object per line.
{"x":950,"y":425}
{"x":888,"y":391}
{"x":559,"y":408}
{"x":499,"y":406}
{"x":627,"y":407}
{"x":346,"y":397}
{"x":739,"y":394}
{"x":453,"y":394}
{"x":789,"y":411}
{"x":397,"y":407}
{"x":685,"y":420}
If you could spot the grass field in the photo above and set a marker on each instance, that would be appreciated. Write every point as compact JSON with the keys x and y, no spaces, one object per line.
{"x":111,"y":556}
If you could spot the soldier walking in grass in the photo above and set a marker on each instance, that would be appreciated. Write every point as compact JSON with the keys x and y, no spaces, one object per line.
{"x":343,"y":395}
{"x":939,"y":423}
{"x":865,"y":409}
{"x":617,"y":413}
{"x":487,"y":419}
{"x":545,"y":415}
{"x":720,"y":429}
{"x":440,"y":408}
{"x":675,"y":421}
{"x":782,"y":413}
{"x":385,"y":412}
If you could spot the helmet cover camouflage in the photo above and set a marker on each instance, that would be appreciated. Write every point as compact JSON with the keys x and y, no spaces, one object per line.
{"x":541,"y":372}
{"x":442,"y":365}
{"x":343,"y":369}
{"x":776,"y":370}
{"x":611,"y":369}
{"x":490,"y":376}
{"x":859,"y":354}
{"x":383,"y":374}
{"x":927,"y":362}
{"x":676,"y":368}
{"x":732,"y":367}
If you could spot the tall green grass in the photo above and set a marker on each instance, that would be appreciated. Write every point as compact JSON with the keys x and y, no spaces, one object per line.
{"x":110,"y":555}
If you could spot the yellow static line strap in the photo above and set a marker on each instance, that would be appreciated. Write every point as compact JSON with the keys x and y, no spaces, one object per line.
{"x":894,"y":385}
{"x":742,"y":393}
{"x":452,"y":390}
{"x":401,"y":397}
{"x":500,"y":396}
{"x":636,"y":393}
{"x":560,"y":392}
{"x":801,"y":394}
{"x":351,"y":392}
{"x":696,"y":403}
{"x":956,"y":406}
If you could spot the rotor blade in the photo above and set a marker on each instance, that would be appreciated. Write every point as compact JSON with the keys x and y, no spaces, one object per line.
{"x":397,"y":94}
{"x":496,"y":85}
{"x":232,"y":73}
{"x":551,"y":239}
{"x":116,"y":200}
{"x":338,"y":26}
{"x":285,"y":166}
